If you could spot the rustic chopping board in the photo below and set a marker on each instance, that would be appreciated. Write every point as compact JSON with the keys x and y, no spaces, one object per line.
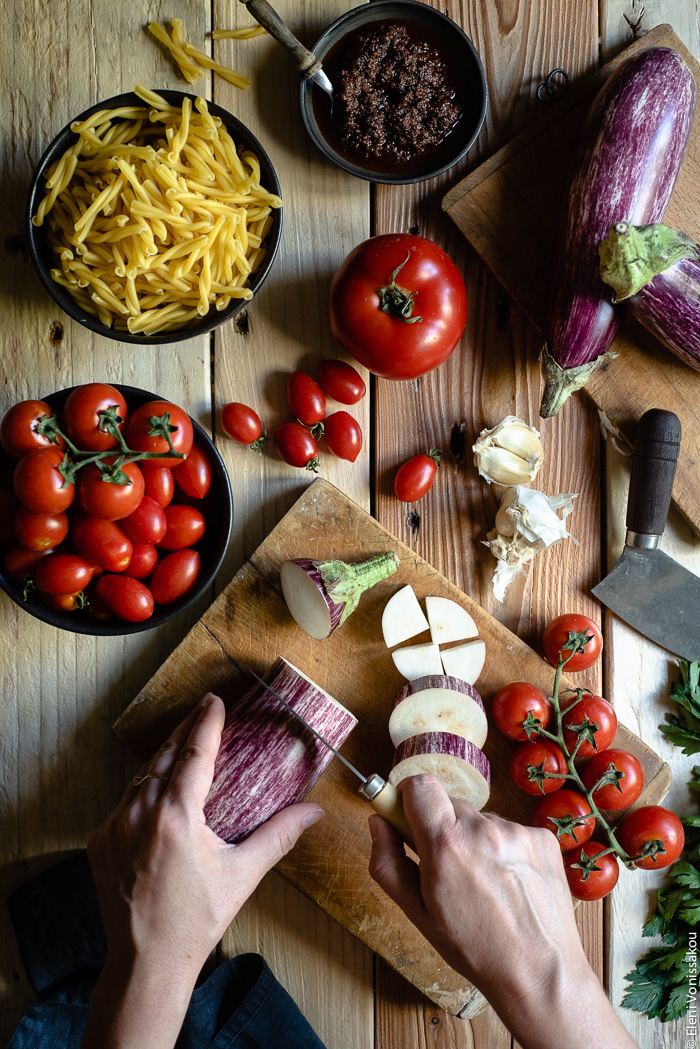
{"x":249,"y":625}
{"x":509,"y":209}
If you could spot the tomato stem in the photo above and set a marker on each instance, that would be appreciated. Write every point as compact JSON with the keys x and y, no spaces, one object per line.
{"x":397,"y":301}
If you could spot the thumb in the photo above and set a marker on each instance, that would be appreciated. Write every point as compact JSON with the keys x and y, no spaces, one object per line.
{"x":269,"y":843}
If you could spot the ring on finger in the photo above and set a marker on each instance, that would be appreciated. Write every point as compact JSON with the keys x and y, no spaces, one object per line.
{"x":138,"y":780}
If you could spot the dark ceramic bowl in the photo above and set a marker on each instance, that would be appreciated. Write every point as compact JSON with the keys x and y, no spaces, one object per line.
{"x":44,"y":261}
{"x":217,"y":507}
{"x":464,"y":72}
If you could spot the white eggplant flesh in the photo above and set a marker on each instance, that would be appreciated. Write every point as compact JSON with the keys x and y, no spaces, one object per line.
{"x":267,"y":759}
{"x":449,"y":621}
{"x":307,"y":600}
{"x":402,"y":617}
{"x":438,"y":704}
{"x":417,"y":661}
{"x":465,"y":661}
{"x":462,"y":768}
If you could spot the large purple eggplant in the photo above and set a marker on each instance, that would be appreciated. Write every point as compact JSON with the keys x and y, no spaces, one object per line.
{"x":631,"y":150}
{"x":656,"y":271}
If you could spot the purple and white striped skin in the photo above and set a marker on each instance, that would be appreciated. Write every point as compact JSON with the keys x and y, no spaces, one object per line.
{"x":461,"y":767}
{"x":267,"y":759}
{"x":438,"y":704}
{"x":669,"y":306}
{"x":292,"y":582}
{"x":453,"y":684}
{"x":629,"y":155}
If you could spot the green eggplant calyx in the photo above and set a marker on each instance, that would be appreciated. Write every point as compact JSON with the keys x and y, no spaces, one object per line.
{"x":560,"y":383}
{"x":631,"y":256}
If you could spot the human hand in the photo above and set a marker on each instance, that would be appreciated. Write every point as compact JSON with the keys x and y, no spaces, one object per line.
{"x":168,"y":886}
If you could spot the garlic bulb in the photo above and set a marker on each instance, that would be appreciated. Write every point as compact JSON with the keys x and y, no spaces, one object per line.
{"x":510,"y":453}
{"x":526,"y":523}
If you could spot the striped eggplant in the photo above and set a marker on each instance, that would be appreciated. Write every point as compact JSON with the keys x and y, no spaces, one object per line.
{"x":656,"y":271}
{"x":629,"y":155}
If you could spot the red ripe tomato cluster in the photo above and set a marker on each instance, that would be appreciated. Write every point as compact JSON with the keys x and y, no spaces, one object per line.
{"x":296,"y":441}
{"x":564,"y":806}
{"x":91,"y":528}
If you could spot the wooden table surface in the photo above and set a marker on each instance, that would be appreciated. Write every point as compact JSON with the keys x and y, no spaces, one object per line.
{"x":61,"y":769}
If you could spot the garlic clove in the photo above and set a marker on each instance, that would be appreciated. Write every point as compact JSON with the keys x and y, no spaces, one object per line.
{"x":510,"y":453}
{"x":503,"y":466}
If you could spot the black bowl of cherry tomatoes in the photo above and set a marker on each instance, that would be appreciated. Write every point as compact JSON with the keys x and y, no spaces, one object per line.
{"x":115,"y":509}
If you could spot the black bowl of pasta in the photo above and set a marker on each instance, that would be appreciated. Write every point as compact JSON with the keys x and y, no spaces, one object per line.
{"x":154,"y":217}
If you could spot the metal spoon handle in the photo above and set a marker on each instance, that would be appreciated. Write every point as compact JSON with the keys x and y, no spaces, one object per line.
{"x":268,"y":18}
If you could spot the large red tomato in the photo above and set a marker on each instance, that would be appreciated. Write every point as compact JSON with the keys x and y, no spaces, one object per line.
{"x":398,"y":304}
{"x":81,"y":415}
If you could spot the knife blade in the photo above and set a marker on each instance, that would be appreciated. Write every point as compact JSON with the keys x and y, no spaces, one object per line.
{"x":381,"y":794}
{"x":647,"y":588}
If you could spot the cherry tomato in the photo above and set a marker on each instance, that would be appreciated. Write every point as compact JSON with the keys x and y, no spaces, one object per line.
{"x":126,"y":598}
{"x":194,"y":475}
{"x":343,"y":435}
{"x":652,"y":823}
{"x":18,"y":432}
{"x":38,"y":483}
{"x":102,"y":498}
{"x":560,"y":806}
{"x":63,"y":574}
{"x":185,"y":527}
{"x":341,"y":382}
{"x":144,"y":559}
{"x":415,"y":478}
{"x":81,"y":415}
{"x":296,"y":446}
{"x":628,"y":788}
{"x":20,"y":562}
{"x":159,"y":482}
{"x":63,"y":602}
{"x":101,"y":542}
{"x":537,"y":752}
{"x":174,"y":576}
{"x":381,"y":289}
{"x":600,"y":713}
{"x":511,"y":706}
{"x":140,"y":439}
{"x":599,"y":882}
{"x":147,"y":523}
{"x":556,"y":634}
{"x":241,"y":423}
{"x":9,"y":505}
{"x":40,"y":531}
{"x":305,"y":398}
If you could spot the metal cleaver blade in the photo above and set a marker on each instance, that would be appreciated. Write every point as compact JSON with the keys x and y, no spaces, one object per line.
{"x":647,"y":588}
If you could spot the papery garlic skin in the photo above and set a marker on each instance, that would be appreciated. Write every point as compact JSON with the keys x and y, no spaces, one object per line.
{"x":510,"y":453}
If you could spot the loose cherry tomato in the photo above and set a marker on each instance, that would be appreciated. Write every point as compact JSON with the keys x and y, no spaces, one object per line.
{"x":63,"y":574}
{"x":140,"y":438}
{"x":144,"y":559}
{"x":512,"y":704}
{"x":19,"y":563}
{"x":185,"y":527}
{"x":343,"y":435}
{"x":159,"y":482}
{"x":305,"y":398}
{"x":599,"y":882}
{"x":415,"y":478}
{"x":81,"y":415}
{"x":652,"y":823}
{"x":567,"y":807}
{"x":242,"y":424}
{"x":18,"y":429}
{"x":38,"y":483}
{"x":296,"y":446}
{"x":174,"y":576}
{"x":194,"y":475}
{"x":113,"y":501}
{"x":556,"y":634}
{"x":341,"y":382}
{"x":126,"y":598}
{"x":9,"y":505}
{"x":398,"y":304}
{"x":147,"y":523}
{"x":537,"y":752}
{"x":600,"y":713}
{"x":63,"y":602}
{"x":40,"y":531}
{"x":101,"y":542}
{"x":628,"y":788}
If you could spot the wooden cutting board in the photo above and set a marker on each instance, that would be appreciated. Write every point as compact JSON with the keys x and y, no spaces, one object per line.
{"x":249,"y":625}
{"x":509,"y":210}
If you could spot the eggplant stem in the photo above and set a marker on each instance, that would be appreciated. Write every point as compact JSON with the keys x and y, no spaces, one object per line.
{"x":347,"y":583}
{"x":560,"y":383}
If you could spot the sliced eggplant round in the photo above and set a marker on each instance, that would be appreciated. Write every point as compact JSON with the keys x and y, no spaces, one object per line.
{"x":462,"y":768}
{"x":438,"y":704}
